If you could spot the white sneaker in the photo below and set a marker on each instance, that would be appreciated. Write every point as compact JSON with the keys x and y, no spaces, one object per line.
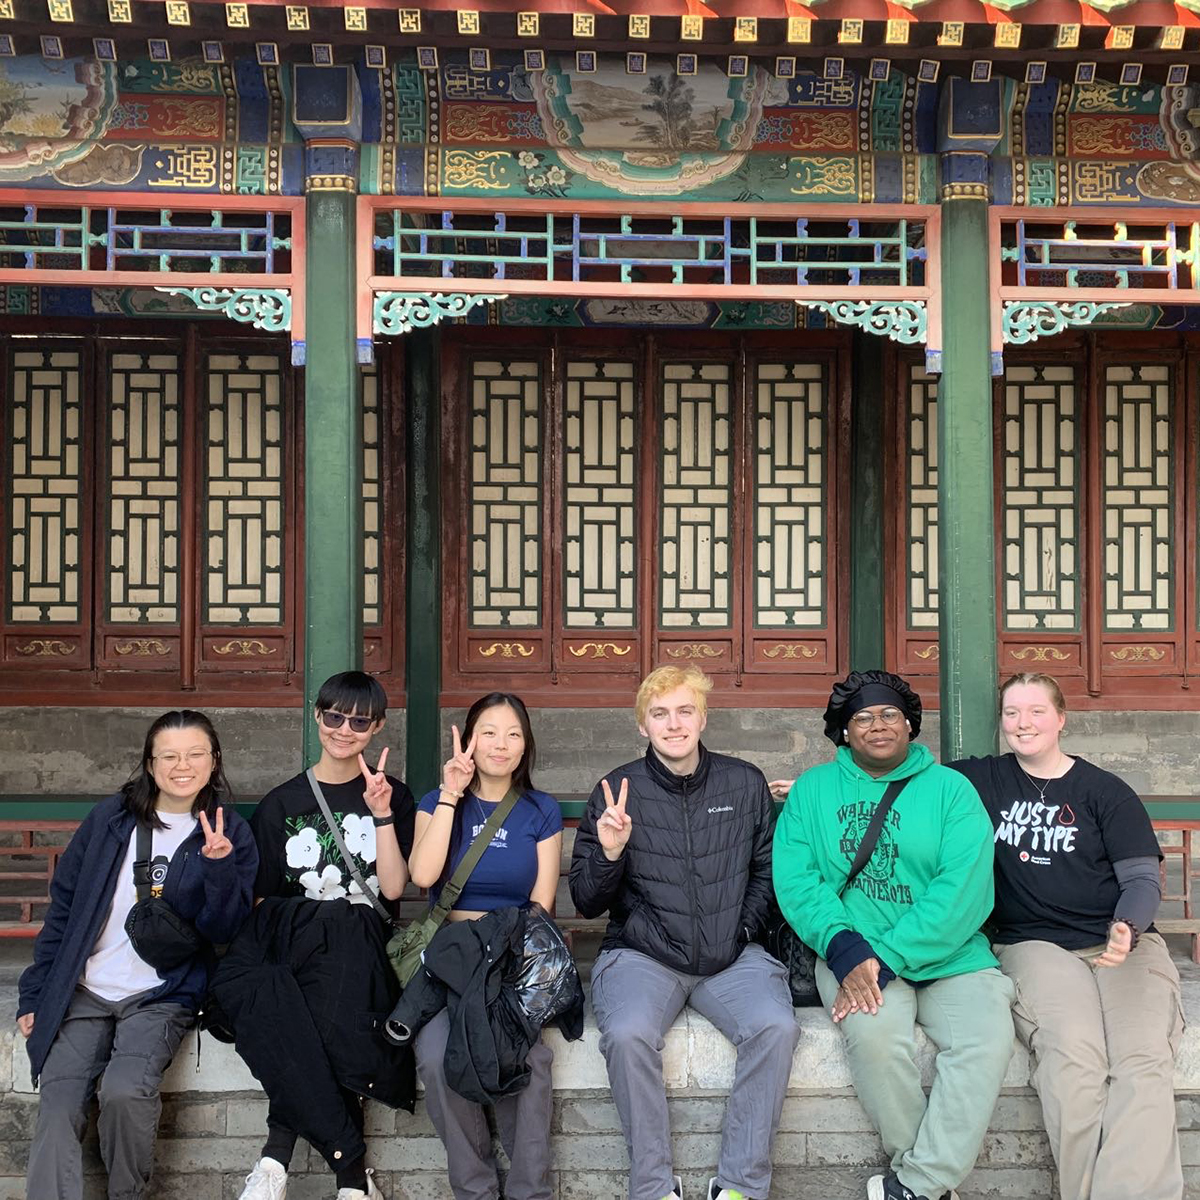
{"x":372,"y":1192}
{"x":268,"y":1181}
{"x":719,"y":1193}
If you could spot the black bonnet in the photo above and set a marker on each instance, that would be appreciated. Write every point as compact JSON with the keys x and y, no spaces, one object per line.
{"x":861,"y":689}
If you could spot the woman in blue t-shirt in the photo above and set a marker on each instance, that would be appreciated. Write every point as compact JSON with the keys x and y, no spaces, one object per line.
{"x":519,"y":867}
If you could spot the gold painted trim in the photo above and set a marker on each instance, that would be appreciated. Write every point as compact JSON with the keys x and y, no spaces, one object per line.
{"x":1039,"y":654}
{"x":695,"y":650}
{"x":331,"y":183}
{"x":507,"y":650}
{"x":244,"y":648}
{"x":929,"y":654}
{"x":964,"y":191}
{"x":599,"y":650}
{"x":1136,"y":654}
{"x":44,"y":648}
{"x":783,"y":650}
{"x":142,"y":648}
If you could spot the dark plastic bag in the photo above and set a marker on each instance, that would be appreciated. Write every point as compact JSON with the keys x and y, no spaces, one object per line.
{"x":547,"y":985}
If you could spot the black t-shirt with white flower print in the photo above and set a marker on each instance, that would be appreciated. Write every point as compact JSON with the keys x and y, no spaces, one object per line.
{"x":297,"y":855}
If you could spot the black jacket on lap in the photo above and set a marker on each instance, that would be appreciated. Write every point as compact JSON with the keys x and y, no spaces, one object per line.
{"x":472,"y":969}
{"x":694,"y":883}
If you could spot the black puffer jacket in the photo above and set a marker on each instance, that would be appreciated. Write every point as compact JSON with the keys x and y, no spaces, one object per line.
{"x":694,"y":883}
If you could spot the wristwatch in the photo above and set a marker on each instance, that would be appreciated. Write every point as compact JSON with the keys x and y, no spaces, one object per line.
{"x":390,"y":819}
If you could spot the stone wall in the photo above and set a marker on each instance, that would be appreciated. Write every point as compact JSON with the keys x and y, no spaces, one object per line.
{"x":64,"y":751}
{"x":82,"y":751}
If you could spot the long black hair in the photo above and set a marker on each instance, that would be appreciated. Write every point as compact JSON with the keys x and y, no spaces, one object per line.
{"x":523,"y":772}
{"x":141,"y":792}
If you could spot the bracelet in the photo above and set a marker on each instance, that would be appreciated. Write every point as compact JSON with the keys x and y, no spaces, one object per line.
{"x":450,"y":792}
{"x":1133,"y":929}
{"x":445,"y":803}
{"x":380,"y":822}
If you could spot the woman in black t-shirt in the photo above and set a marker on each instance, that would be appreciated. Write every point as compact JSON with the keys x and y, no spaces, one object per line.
{"x":307,"y":983}
{"x":1077,"y":888}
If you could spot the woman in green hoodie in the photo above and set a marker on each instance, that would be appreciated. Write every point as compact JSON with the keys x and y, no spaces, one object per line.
{"x":901,"y":946}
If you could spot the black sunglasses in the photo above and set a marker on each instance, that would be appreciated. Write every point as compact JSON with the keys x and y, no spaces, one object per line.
{"x":333,"y":720}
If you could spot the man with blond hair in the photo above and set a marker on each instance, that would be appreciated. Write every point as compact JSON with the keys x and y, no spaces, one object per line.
{"x":676,"y":847}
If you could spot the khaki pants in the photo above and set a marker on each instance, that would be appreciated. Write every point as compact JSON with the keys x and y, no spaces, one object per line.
{"x":1103,"y":1041}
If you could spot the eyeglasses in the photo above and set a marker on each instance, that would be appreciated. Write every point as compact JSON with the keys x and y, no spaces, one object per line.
{"x":335,"y":720}
{"x":864,"y":719}
{"x":193,"y":758}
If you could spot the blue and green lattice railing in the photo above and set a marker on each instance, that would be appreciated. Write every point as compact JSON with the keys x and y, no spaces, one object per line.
{"x":242,"y":258}
{"x":872,"y":266}
{"x":1073,"y":268}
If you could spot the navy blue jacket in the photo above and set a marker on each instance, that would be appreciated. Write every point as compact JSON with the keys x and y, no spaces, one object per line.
{"x":215,"y":894}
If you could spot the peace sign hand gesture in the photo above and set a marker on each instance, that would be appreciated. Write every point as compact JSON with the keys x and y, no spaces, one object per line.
{"x":615,"y":824}
{"x":460,"y":766}
{"x":378,"y":794}
{"x":216,"y":844}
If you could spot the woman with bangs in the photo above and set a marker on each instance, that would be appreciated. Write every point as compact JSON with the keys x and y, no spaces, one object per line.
{"x":494,"y":755}
{"x":1077,"y":889}
{"x":307,"y":984}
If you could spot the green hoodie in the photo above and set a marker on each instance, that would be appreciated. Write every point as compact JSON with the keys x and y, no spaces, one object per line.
{"x":927,"y":889}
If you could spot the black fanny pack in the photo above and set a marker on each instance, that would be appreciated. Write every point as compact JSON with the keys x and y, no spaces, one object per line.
{"x":160,"y":937}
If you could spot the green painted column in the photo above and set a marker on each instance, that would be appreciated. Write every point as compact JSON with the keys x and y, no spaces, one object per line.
{"x":966,"y":536}
{"x":423,"y":610}
{"x":866,"y":504}
{"x":333,"y":510}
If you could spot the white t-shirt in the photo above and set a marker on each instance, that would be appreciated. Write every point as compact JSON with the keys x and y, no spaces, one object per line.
{"x":114,"y":972}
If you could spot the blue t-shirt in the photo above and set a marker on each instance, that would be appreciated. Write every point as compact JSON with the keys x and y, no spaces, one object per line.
{"x":507,"y":870}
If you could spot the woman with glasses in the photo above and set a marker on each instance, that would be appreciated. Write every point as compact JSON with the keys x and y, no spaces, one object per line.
{"x":98,"y":1018}
{"x":1077,"y":888}
{"x":307,"y":983}
{"x":520,"y":866}
{"x":900,"y":944}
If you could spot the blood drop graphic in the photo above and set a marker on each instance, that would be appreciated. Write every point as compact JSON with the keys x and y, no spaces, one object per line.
{"x":1066,"y":816}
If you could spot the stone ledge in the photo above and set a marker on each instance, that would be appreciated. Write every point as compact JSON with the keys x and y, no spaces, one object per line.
{"x":696,"y":1058}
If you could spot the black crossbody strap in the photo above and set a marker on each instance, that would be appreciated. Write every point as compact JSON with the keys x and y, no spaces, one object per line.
{"x":871,"y":838}
{"x":323,"y":804}
{"x":143,"y":848}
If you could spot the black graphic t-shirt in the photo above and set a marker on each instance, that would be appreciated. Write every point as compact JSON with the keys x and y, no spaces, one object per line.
{"x":1054,"y":856}
{"x":297,"y":855}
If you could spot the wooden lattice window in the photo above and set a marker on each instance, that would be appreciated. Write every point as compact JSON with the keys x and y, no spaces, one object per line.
{"x":151,"y":519}
{"x":1039,"y":480}
{"x":1090,"y":465}
{"x":637,"y":502}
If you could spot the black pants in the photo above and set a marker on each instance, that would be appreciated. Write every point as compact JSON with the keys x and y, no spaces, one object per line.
{"x":306,"y":987}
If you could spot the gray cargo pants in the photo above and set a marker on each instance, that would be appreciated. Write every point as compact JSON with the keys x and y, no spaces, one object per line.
{"x":131,"y":1047}
{"x":636,"y":1000}
{"x":462,"y":1124}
